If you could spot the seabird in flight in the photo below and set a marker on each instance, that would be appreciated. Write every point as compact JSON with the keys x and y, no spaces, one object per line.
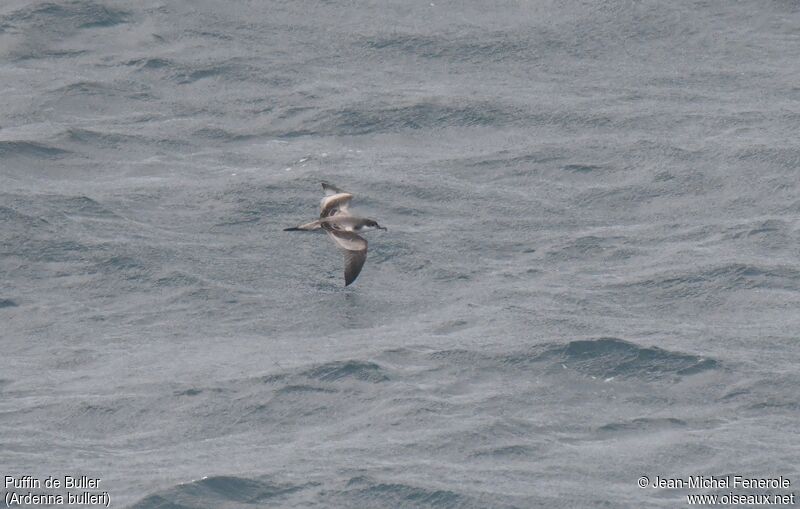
{"x":335,"y":220}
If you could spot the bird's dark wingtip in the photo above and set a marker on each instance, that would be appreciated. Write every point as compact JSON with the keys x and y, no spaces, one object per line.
{"x":293,"y":229}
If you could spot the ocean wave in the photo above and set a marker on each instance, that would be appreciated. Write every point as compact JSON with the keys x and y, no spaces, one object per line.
{"x":38,"y":31}
{"x":52,"y":250}
{"x":220,"y":134}
{"x":497,"y":46}
{"x":129,"y":267}
{"x":359,"y":119}
{"x":8,"y":303}
{"x":600,"y":358}
{"x":14,"y":218}
{"x":592,"y":247}
{"x":72,"y":15}
{"x":176,"y":278}
{"x":151,"y":63}
{"x":32,"y":149}
{"x":641,"y":425}
{"x":359,"y":370}
{"x":182,"y":72}
{"x":759,"y":229}
{"x":100,"y":97}
{"x":715,"y":278}
{"x":220,"y":491}
{"x":774,"y":395}
{"x":81,"y":206}
{"x":233,"y":492}
{"x":98,"y":138}
{"x":785,"y":157}
{"x":517,"y":451}
{"x":428,"y":113}
{"x":612,"y":357}
{"x":366,"y":492}
{"x":509,"y":159}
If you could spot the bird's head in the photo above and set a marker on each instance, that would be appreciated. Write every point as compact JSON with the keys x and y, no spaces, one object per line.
{"x":370,"y":224}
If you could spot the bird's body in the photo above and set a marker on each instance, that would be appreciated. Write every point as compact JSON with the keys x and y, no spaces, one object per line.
{"x":335,"y":220}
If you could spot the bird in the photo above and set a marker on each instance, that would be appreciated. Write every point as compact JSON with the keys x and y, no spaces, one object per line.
{"x":341,"y":226}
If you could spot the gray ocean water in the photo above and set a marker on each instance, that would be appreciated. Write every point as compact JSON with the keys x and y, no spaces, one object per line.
{"x":590,"y":272}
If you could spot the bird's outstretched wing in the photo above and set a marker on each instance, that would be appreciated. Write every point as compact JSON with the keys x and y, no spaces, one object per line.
{"x":354,"y":248}
{"x":331,"y":189}
{"x":335,"y":202}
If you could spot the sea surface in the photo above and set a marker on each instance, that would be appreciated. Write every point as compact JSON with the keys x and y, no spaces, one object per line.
{"x":591,"y":271}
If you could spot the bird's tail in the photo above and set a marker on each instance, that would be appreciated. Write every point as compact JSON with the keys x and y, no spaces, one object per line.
{"x":313,"y":225}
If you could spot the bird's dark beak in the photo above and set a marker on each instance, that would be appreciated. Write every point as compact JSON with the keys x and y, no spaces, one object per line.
{"x":383,"y":228}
